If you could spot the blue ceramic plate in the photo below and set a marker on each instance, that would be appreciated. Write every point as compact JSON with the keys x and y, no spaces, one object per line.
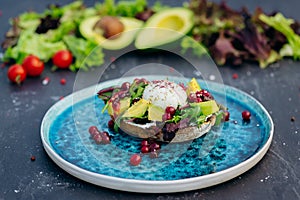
{"x":222,"y":154}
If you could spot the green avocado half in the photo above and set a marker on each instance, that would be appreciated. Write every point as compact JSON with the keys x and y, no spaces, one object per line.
{"x":131,"y":25}
{"x":165,"y":27}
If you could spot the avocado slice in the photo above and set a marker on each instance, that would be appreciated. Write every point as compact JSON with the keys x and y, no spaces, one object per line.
{"x":209,"y":107}
{"x":131,"y":25}
{"x":193,"y":86}
{"x":124,"y":105}
{"x":155,"y":113}
{"x":165,"y":27}
{"x":138,"y":109}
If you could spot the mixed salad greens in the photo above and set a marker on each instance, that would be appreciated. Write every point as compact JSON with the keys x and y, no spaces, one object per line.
{"x":234,"y":37}
{"x":230,"y":36}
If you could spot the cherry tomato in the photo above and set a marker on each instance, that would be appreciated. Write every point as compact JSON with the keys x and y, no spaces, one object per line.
{"x":33,"y":65}
{"x":62,"y":59}
{"x":16,"y":73}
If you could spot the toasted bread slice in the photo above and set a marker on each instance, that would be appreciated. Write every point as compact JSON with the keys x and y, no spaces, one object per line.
{"x":153,"y":130}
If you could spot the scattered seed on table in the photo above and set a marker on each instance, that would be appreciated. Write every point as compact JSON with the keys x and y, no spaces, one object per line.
{"x":46,"y":81}
{"x":32,"y":158}
{"x":293,"y":119}
{"x":235,"y":76}
{"x":63,"y":81}
{"x":112,"y":59}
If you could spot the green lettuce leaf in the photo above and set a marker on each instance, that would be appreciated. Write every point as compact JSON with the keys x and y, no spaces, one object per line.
{"x":188,"y":43}
{"x":29,"y":20}
{"x":87,"y":53}
{"x":55,"y":35}
{"x":33,"y":43}
{"x":283,"y":25}
{"x":57,"y":11}
{"x":122,"y":8}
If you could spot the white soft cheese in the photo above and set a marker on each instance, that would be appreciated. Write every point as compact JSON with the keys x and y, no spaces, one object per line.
{"x":164,"y":93}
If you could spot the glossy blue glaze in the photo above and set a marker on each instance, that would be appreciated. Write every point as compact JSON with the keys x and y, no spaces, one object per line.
{"x":223,"y":147}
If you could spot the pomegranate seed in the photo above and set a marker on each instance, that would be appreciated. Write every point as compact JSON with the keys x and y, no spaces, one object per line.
{"x":198,"y":100}
{"x":135,"y":100}
{"x":111,"y":124}
{"x":198,"y":94}
{"x":246,"y":115}
{"x":142,"y":80}
{"x":105,"y":139}
{"x":293,"y":119}
{"x":154,"y":146}
{"x":125,"y":86}
{"x":145,"y":149}
{"x":97,"y":138}
{"x":226,"y":116}
{"x":63,"y":81}
{"x":122,"y":94}
{"x":153,"y":154}
{"x":104,"y":133}
{"x":235,"y":76}
{"x":192,"y":97}
{"x":135,"y":159}
{"x":46,"y":81}
{"x":32,"y":158}
{"x":145,"y":143}
{"x":93,"y":130}
{"x":171,"y":110}
{"x":137,"y":80}
{"x":116,"y":105}
{"x":205,"y":93}
{"x":166,"y":116}
{"x":112,"y":59}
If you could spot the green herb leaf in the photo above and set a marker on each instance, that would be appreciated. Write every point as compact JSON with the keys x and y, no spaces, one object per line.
{"x":87,"y":53}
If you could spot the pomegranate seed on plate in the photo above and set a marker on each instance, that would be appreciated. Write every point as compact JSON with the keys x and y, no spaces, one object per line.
{"x":135,"y":159}
{"x":246,"y":115}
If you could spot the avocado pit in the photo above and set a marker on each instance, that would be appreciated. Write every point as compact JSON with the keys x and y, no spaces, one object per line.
{"x":110,"y":27}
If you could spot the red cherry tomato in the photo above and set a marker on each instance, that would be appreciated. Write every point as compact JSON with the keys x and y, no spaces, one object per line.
{"x":16,"y":73}
{"x":33,"y":65}
{"x":62,"y":59}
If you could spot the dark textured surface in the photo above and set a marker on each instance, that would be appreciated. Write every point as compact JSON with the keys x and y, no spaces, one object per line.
{"x":22,"y":108}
